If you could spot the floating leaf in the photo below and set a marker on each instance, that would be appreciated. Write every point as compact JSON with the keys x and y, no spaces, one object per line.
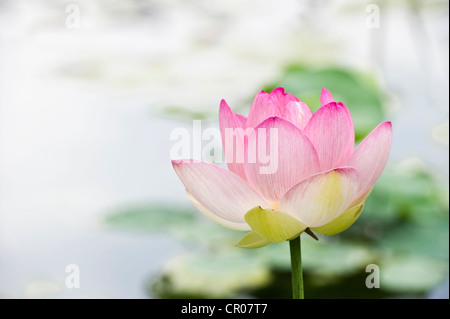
{"x":151,"y":217}
{"x":412,"y":274}
{"x":209,"y":275}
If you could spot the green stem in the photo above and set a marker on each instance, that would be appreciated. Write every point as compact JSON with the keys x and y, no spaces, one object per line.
{"x":296,"y":268}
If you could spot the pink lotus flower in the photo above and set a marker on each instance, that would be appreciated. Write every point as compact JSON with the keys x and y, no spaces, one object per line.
{"x":321,"y":181}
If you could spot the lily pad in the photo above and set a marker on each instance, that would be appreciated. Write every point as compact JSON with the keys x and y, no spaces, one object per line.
{"x":209,"y":275}
{"x":184,"y":223}
{"x":150,"y":217}
{"x":335,"y":258}
{"x":412,"y":274}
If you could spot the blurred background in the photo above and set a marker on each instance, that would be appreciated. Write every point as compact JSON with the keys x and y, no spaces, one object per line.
{"x":90,"y":91}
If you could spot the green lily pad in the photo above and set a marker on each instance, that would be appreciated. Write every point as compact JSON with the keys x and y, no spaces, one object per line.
{"x":150,"y":217}
{"x":335,"y":258}
{"x":209,"y":275}
{"x":424,"y":242}
{"x":184,"y":223}
{"x":412,"y":274}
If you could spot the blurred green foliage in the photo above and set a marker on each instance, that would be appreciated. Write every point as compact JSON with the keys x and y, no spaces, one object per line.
{"x":403,"y":229}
